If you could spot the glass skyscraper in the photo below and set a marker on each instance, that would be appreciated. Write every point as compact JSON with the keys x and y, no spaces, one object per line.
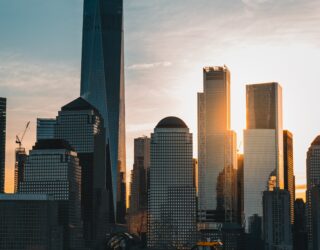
{"x":45,"y":128}
{"x":102,"y":84}
{"x":3,"y":118}
{"x":263,"y":146}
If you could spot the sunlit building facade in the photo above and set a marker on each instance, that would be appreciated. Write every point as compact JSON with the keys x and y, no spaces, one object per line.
{"x":172,"y":195}
{"x":45,"y":128}
{"x":102,"y":84}
{"x":81,"y":124}
{"x":3,"y":119}
{"x":217,"y":155}
{"x":263,"y":146}
{"x":313,"y":180}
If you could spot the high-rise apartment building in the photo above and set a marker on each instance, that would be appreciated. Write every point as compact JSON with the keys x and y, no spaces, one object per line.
{"x":139,"y":186}
{"x":45,"y":128}
{"x":82,"y":126}
{"x":217,"y":155}
{"x":289,"y":179}
{"x":263,"y":146}
{"x":276,"y":220}
{"x":52,"y":168}
{"x":21,"y":157}
{"x":3,"y":119}
{"x":29,"y":221}
{"x":313,"y":179}
{"x":102,"y":84}
{"x":172,"y":194}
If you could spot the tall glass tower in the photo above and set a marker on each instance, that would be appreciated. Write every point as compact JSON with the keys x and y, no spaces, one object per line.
{"x":102,"y":84}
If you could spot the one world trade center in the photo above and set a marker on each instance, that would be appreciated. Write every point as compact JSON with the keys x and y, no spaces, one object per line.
{"x":102,"y":84}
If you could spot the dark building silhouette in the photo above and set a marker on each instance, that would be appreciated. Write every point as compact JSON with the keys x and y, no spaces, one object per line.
{"x":52,"y":168}
{"x":313,"y":179}
{"x":3,"y":119}
{"x":277,"y":230}
{"x":233,"y":237}
{"x":289,"y":179}
{"x":300,"y":237}
{"x":102,"y":84}
{"x":81,"y":125}
{"x":315,"y":214}
{"x":29,"y":221}
{"x":21,"y":157}
{"x":254,"y":236}
{"x":239,"y":181}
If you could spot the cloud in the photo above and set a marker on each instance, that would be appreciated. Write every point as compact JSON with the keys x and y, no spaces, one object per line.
{"x":145,"y":66}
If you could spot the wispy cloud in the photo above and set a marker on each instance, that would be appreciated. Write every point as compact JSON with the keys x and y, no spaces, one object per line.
{"x":144,"y":66}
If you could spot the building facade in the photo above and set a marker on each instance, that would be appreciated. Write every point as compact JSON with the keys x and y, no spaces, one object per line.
{"x":240,"y":186}
{"x":82,"y":126}
{"x":139,"y":186}
{"x":29,"y":221}
{"x":313,"y":179}
{"x":217,"y":157}
{"x":300,"y":238}
{"x":172,"y":194}
{"x":102,"y":84}
{"x":276,"y":220}
{"x":21,"y":157}
{"x":263,"y":146}
{"x":3,"y":120}
{"x":52,"y":168}
{"x":289,"y":179}
{"x":45,"y":128}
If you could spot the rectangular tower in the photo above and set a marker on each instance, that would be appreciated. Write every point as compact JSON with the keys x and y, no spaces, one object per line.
{"x":216,"y":147}
{"x":3,"y":118}
{"x":45,"y":128}
{"x":263,"y":145}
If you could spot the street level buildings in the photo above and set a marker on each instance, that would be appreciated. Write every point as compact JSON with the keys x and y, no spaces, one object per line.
{"x":172,"y":194}
{"x":29,"y":221}
{"x":3,"y":119}
{"x":263,"y":146}
{"x":102,"y":85}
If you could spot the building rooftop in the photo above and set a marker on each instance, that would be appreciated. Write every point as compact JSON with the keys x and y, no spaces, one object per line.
{"x":171,"y":122}
{"x":78,"y":104}
{"x":52,"y":144}
{"x":316,"y":142}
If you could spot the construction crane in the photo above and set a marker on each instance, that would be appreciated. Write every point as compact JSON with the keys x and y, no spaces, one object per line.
{"x":19,"y":140}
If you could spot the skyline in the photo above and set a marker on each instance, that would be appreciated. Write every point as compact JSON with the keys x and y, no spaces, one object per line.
{"x":178,"y":68}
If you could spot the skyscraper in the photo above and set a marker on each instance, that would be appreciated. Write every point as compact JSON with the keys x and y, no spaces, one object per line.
{"x":315,"y":215}
{"x":276,"y":220}
{"x":53,"y":168}
{"x":45,"y":128}
{"x":217,"y":157}
{"x":172,"y":194}
{"x":240,"y":185}
{"x":21,"y":157}
{"x":313,"y":179}
{"x":300,"y":239}
{"x":81,"y":124}
{"x":102,"y":84}
{"x":139,"y":186}
{"x":263,"y":146}
{"x":29,"y":221}
{"x":3,"y":118}
{"x":289,"y":179}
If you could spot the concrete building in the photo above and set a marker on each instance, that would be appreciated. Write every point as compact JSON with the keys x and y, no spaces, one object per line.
{"x":217,"y":157}
{"x":29,"y":221}
{"x":45,"y":128}
{"x":263,"y":146}
{"x":276,"y":220}
{"x":3,"y":120}
{"x":172,"y":196}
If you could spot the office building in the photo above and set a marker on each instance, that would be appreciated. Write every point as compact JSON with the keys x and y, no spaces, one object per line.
{"x":45,"y":128}
{"x":276,"y":220}
{"x":239,"y":181}
{"x":139,"y":186}
{"x":313,"y":179}
{"x":29,"y":221}
{"x":52,"y":168}
{"x":172,"y":195}
{"x":217,"y":155}
{"x":81,"y":125}
{"x":102,"y":84}
{"x":263,"y":146}
{"x":3,"y":119}
{"x":21,"y":157}
{"x":300,"y":236}
{"x":289,"y":179}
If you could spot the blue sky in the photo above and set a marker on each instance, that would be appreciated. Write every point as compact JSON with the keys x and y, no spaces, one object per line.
{"x":166,"y":45}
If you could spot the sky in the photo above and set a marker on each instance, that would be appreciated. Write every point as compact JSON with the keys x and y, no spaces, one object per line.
{"x":167,"y":43}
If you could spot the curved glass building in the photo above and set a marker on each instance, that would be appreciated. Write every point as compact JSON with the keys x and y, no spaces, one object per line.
{"x":102,"y":84}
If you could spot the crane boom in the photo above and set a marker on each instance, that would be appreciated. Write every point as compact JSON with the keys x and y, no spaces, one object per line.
{"x":19,"y":140}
